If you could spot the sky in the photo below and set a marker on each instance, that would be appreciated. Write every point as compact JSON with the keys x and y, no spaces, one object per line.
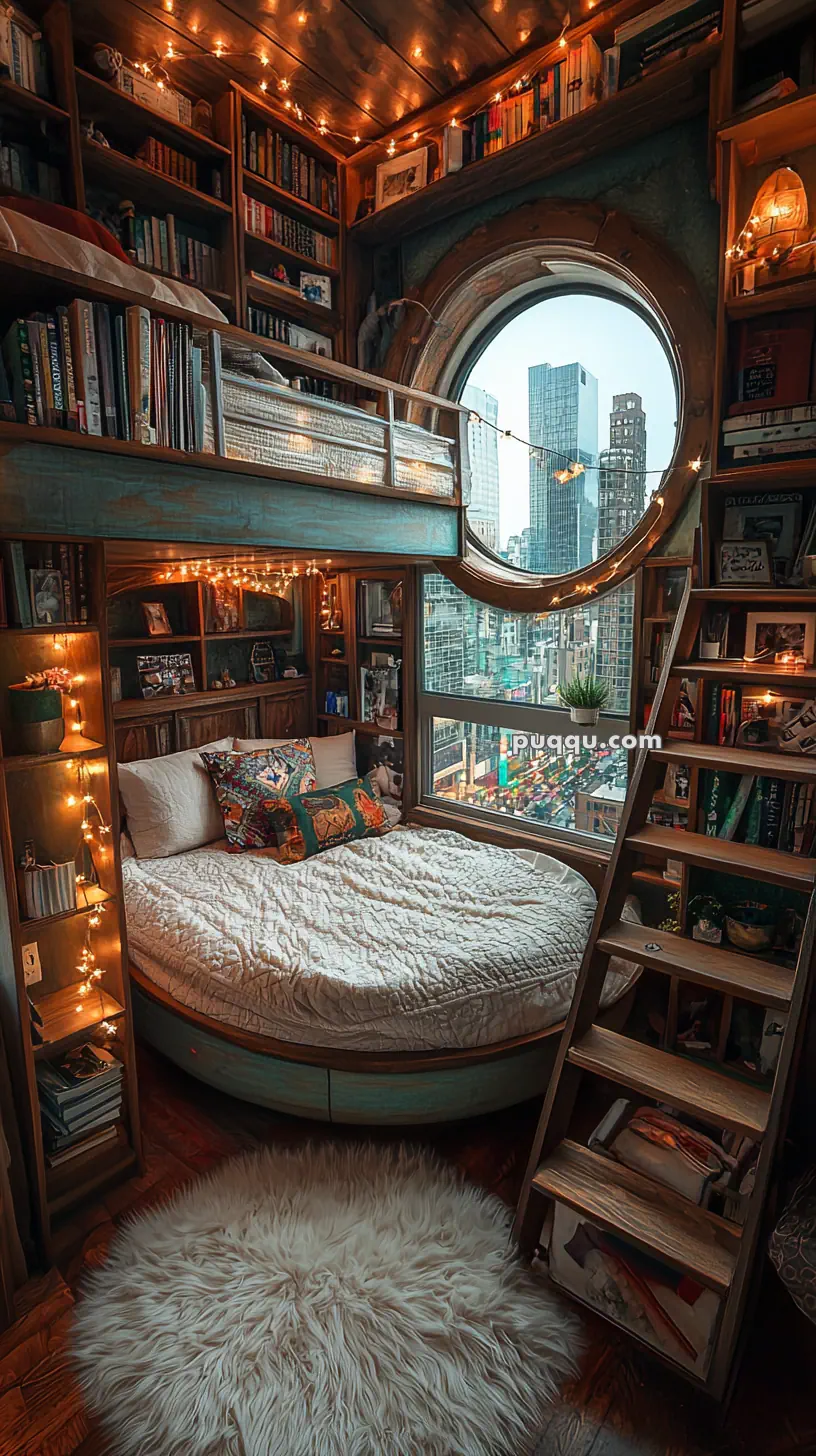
{"x":613,"y":343}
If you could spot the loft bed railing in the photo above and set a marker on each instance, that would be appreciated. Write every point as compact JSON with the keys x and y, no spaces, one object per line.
{"x":374,"y":436}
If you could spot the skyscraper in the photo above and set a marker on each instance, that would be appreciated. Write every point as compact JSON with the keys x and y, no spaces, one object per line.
{"x":483,"y":444}
{"x":563,"y":403}
{"x":621,"y":499}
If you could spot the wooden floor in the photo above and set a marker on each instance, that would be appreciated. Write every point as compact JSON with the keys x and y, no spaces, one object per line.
{"x":622,"y":1405}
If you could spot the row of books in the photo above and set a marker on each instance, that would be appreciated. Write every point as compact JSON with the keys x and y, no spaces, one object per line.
{"x":269,"y":325}
{"x":658,"y":647}
{"x":763,"y":432}
{"x":167,"y":244}
{"x":565,"y":89}
{"x":769,"y":812}
{"x":270,"y":155}
{"x":772,"y":411}
{"x":665,"y":32}
{"x":80,"y":1101}
{"x":47,"y":889}
{"x":23,"y":52}
{"x":106,"y":371}
{"x":165,"y":159}
{"x":268,"y":222}
{"x":26,"y":173}
{"x":61,"y":571}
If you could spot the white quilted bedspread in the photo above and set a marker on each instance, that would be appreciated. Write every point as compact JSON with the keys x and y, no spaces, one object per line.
{"x":422,"y":939}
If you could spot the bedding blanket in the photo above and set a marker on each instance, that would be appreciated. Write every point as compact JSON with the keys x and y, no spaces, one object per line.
{"x":422,"y":939}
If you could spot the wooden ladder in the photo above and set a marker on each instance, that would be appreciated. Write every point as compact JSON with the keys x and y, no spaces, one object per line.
{"x":717,"y":1253}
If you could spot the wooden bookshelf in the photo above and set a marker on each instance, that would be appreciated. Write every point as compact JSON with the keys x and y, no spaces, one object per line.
{"x":41,"y":800}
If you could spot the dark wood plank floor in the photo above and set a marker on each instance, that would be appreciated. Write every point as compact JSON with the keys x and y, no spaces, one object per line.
{"x":623,"y":1404}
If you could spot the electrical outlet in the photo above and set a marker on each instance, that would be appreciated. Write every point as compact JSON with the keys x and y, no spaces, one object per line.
{"x":32,"y":970}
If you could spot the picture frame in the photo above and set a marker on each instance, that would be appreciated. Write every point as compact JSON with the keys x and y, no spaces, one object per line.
{"x":167,"y":675}
{"x":156,"y":620}
{"x":773,"y":636}
{"x":777,"y":519}
{"x":47,"y":596}
{"x":222,"y":607}
{"x":747,"y":563}
{"x":316,"y":288}
{"x":401,"y":176}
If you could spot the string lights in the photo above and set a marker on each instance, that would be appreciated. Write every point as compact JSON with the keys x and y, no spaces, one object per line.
{"x":263,"y":577}
{"x":573,"y":468}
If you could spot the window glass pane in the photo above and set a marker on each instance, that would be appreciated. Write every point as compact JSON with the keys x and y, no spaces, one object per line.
{"x":475,"y":765}
{"x":474,"y":650}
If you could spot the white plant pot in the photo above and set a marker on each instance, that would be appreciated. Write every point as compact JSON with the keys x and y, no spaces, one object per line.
{"x":586,"y":717}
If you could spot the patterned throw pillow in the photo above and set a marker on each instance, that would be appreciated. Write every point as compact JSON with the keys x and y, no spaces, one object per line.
{"x":247,"y":785}
{"x":308,"y":823}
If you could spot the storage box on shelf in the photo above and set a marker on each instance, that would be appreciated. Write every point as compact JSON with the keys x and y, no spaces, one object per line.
{"x":63,"y":900}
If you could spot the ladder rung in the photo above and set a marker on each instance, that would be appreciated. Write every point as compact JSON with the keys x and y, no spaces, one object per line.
{"x":771,"y":675}
{"x":723,"y":970}
{"x":751,"y":861}
{"x":762,"y":762}
{"x":687,"y":1085}
{"x":651,"y":1217}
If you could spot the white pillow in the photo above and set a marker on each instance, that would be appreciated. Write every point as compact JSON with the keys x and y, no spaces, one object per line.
{"x":334,"y":756}
{"x":170,"y":803}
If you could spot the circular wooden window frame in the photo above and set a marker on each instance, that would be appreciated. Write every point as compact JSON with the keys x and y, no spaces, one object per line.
{"x":491,"y":274}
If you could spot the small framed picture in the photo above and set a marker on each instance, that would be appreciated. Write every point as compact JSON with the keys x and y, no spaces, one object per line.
{"x":401,"y":176}
{"x":316,"y":288}
{"x":156,"y":619}
{"x":784,"y":637}
{"x":116,"y":684}
{"x":47,"y":601}
{"x":745,"y":562}
{"x":166,"y":677}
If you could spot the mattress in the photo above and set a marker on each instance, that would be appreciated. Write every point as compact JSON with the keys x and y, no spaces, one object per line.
{"x":419,"y":940}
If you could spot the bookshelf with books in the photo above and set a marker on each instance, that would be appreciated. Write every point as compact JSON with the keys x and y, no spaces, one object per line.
{"x":359,"y":676}
{"x":37,"y":105}
{"x":289,"y":201}
{"x":65,"y":997}
{"x":541,"y":115}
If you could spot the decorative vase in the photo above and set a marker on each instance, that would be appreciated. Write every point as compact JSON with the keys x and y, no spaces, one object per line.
{"x":751,"y":926}
{"x":586,"y":717}
{"x":36,"y":713}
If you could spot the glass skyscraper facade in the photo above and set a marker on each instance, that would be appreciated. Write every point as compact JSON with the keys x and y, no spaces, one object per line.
{"x":621,"y":500}
{"x":483,"y":445}
{"x":563,"y":405}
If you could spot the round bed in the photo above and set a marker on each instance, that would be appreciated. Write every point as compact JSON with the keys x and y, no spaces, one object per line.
{"x":419,"y":977}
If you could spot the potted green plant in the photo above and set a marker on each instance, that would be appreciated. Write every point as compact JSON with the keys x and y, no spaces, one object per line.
{"x":585,"y":697}
{"x":35,"y":707}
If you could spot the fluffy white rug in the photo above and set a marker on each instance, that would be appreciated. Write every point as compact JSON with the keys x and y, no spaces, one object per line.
{"x":332,"y":1301}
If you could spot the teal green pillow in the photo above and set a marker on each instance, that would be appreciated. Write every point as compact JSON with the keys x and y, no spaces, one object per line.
{"x":306,"y":824}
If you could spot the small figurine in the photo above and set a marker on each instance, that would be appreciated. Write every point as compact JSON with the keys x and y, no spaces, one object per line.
{"x":226,"y":680}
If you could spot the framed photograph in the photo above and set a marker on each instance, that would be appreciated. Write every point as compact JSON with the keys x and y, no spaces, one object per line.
{"x":262,"y":663}
{"x":47,"y":600}
{"x":779,"y":636}
{"x":222,"y":607}
{"x":156,"y":619}
{"x":776,"y":519}
{"x":167,"y":676}
{"x":745,"y":562}
{"x":401,"y":176}
{"x":316,"y":288}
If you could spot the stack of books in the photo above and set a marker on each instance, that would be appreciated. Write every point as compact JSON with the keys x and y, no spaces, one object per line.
{"x":267,"y":222}
{"x":23,"y":53}
{"x":105,"y":371}
{"x":80,"y":1101}
{"x":65,"y":565}
{"x":270,"y":155}
{"x":172,"y":247}
{"x":665,"y":32}
{"x":758,"y":434}
{"x":21,"y":170}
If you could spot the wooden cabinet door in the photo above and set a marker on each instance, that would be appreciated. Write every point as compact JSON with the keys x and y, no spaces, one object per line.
{"x":150,"y":738}
{"x":286,"y":715}
{"x":207,"y":725}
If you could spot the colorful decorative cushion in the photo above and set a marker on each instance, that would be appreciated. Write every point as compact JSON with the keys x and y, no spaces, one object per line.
{"x":248,"y":785}
{"x":306,"y":824}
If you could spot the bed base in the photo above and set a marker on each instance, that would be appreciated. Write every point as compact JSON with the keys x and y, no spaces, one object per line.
{"x":332,"y":1085}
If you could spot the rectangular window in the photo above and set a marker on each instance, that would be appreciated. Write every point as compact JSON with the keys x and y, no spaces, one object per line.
{"x":488,"y":677}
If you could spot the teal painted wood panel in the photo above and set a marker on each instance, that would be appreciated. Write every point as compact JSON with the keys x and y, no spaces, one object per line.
{"x":415,"y":1097}
{"x":57,"y":490}
{"x":292,"y":1087}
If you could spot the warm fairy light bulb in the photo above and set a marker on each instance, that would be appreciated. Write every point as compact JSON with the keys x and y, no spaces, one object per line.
{"x":392,"y":147}
{"x":414,"y":136}
{"x":263,"y":58}
{"x":767,"y":698}
{"x":696,"y":464}
{"x":562,"y":41}
{"x":497,"y":96}
{"x":169,"y":52}
{"x":283,"y":83}
{"x":417,"y":52}
{"x":357,"y":139}
{"x":454,"y":121}
{"x":302,"y":17}
{"x":218,"y":50}
{"x":263,"y":85}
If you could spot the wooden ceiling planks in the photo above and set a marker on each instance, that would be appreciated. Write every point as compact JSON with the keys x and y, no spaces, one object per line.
{"x":364,"y":65}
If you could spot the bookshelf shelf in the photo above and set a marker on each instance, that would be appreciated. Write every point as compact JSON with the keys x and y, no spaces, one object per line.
{"x":155,"y":189}
{"x":300,"y":258}
{"x":798,"y":294}
{"x":75,"y":1182}
{"x":18,"y":762}
{"x":218,"y":295}
{"x":102,"y":102}
{"x":272,"y":293}
{"x":103,"y":898}
{"x":129,"y":708}
{"x":55,"y":629}
{"x":68,"y":1018}
{"x":247,"y":635}
{"x":266,"y":191}
{"x":163,"y":640}
{"x":19,"y":98}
